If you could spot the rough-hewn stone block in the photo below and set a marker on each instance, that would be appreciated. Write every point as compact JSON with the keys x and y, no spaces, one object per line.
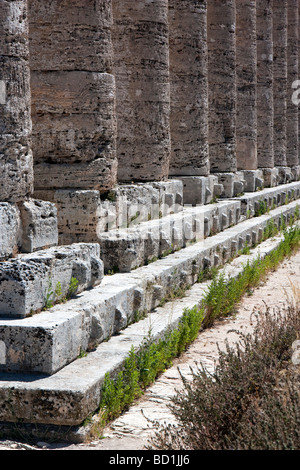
{"x":39,"y":224}
{"x":31,"y":281}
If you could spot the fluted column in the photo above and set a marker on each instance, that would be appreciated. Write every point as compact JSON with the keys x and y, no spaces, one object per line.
{"x":188,"y":87}
{"x":265,"y":149}
{"x":141,"y":68}
{"x":222,"y":85}
{"x":292,"y":76}
{"x":280,"y":80}
{"x":73,"y":94}
{"x":246,"y":67}
{"x":16,"y":173}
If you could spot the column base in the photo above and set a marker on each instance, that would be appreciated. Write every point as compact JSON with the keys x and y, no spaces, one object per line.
{"x":233,"y":183}
{"x":284,"y":175}
{"x":200,"y":190}
{"x":270,"y":177}
{"x":254,"y":180}
{"x":295,"y":173}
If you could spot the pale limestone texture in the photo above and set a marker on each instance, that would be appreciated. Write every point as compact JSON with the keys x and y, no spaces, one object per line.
{"x":222,"y":85}
{"x":10,"y":230}
{"x":292,"y":137}
{"x":73,"y":94}
{"x":141,"y":68}
{"x":188,"y":88}
{"x":246,"y":68}
{"x":16,"y":175}
{"x":280,"y":80}
{"x":30,"y":281}
{"x":39,"y":224}
{"x":265,"y":119}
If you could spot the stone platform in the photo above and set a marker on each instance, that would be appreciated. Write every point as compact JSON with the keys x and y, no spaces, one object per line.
{"x":44,"y":379}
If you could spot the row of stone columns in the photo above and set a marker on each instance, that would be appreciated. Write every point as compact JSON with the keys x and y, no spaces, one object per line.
{"x":144,"y":90}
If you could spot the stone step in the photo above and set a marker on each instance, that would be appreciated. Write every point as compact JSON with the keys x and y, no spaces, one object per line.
{"x":26,"y":227}
{"x":83,"y":214}
{"x":96,"y":315}
{"x":123,"y":250}
{"x":33,"y":281}
{"x":73,"y":393}
{"x":254,"y":203}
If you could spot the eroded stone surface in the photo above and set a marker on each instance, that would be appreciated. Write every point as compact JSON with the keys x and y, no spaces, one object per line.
{"x":39,"y":224}
{"x":188,"y":88}
{"x":141,"y":68}
{"x":10,"y":230}
{"x":73,"y":95}
{"x":16,"y":175}
{"x":265,"y":117}
{"x":30,"y":282}
{"x":221,"y":42}
{"x":246,"y":68}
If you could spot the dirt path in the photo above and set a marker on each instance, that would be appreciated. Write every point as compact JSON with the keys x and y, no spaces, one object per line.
{"x":134,"y":428}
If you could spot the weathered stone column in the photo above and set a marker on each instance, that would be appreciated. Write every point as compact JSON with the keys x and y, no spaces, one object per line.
{"x":292,"y":75}
{"x":141,"y":68}
{"x":222,"y":85}
{"x":188,"y":88}
{"x":246,"y":124}
{"x":73,"y":94}
{"x":280,"y":80}
{"x":265,"y":120}
{"x":16,"y":174}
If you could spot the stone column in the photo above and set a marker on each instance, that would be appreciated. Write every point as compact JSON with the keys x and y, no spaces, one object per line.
{"x":73,"y":94}
{"x":246,"y":125}
{"x":222,"y":86}
{"x":279,"y":80}
{"x":188,"y":85}
{"x":141,"y":68}
{"x":265,"y":148}
{"x":16,"y":173}
{"x":292,"y":76}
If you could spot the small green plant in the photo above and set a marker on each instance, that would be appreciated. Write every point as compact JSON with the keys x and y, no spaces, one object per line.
{"x":142,"y":367}
{"x":262,"y":208}
{"x":250,"y":401}
{"x":72,"y":287}
{"x":58,"y":292}
{"x":56,"y":296}
{"x":49,"y":296}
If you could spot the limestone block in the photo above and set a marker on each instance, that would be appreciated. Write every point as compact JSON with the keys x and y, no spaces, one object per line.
{"x":44,"y":344}
{"x":39,"y":225}
{"x":199,"y":189}
{"x":10,"y":230}
{"x":127,"y":249}
{"x":78,"y":214}
{"x":28,"y":281}
{"x":233,"y":183}
{"x":253,"y":180}
{"x":70,"y":35}
{"x":83,"y":215}
{"x":271,"y":177}
{"x":74,"y":130}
